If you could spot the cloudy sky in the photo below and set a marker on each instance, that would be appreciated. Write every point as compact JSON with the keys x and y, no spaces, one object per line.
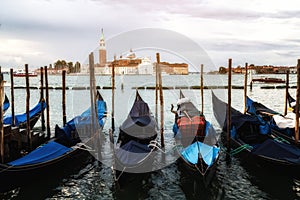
{"x":39,"y":32}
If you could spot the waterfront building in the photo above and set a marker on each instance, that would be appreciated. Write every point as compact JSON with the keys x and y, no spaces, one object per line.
{"x":130,"y":64}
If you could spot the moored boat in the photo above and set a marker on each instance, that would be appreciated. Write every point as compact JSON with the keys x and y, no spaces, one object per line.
{"x":281,"y":127}
{"x":196,"y":141}
{"x":22,"y":73}
{"x":135,"y":148}
{"x":64,"y":151}
{"x":21,"y":119}
{"x":268,"y":80}
{"x":250,"y":141}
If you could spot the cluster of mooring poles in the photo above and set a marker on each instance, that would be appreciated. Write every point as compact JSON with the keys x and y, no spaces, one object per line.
{"x":26,"y":138}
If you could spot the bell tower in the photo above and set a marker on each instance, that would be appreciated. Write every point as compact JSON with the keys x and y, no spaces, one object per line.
{"x":102,"y":50}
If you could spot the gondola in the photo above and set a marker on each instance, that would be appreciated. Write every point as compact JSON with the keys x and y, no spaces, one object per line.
{"x":21,"y":119}
{"x":250,"y":141}
{"x":6,"y":104}
{"x":196,"y":141}
{"x":281,"y":127}
{"x":64,"y":151}
{"x":135,"y":148}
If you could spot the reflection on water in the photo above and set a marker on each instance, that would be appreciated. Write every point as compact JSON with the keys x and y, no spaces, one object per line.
{"x":95,"y":180}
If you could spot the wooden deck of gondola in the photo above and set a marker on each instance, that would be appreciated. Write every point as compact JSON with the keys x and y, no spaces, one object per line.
{"x":16,"y":141}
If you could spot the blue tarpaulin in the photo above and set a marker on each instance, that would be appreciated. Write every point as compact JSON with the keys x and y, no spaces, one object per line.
{"x":85,"y":118}
{"x":208,"y":153}
{"x":132,"y":152}
{"x":277,"y":150}
{"x":44,"y":153}
{"x":21,"y":118}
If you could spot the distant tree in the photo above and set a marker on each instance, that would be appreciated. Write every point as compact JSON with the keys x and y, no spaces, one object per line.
{"x":62,"y":64}
{"x":222,"y":70}
{"x":70,"y":67}
{"x":77,"y":67}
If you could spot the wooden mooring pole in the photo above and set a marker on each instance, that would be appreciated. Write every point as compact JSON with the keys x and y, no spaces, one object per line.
{"x":113,"y":95}
{"x":245,"y":88}
{"x":251,"y":82}
{"x":201,"y":89}
{"x":12,"y":97}
{"x":91,"y":68}
{"x":1,"y":118}
{"x":297,"y":104}
{"x":47,"y":104}
{"x":161,"y":98}
{"x":64,"y":97}
{"x":29,"y":133}
{"x":42,"y":99}
{"x":229,"y":105}
{"x":286,"y":91}
{"x":156,"y":91}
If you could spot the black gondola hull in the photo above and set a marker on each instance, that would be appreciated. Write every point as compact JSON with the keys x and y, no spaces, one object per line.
{"x":16,"y":176}
{"x":193,"y":171}
{"x":128,"y":175}
{"x":246,"y":156}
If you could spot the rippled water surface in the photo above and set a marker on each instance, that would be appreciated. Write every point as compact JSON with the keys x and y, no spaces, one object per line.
{"x":95,"y":180}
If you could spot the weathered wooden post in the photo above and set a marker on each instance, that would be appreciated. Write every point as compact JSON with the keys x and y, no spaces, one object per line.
{"x":42,"y":99}
{"x":161,"y":98}
{"x":29,"y":133}
{"x":297,"y":104}
{"x":64,"y":97}
{"x":286,"y":91}
{"x":94,"y":116}
{"x":156,"y":91}
{"x":113,"y":94}
{"x":122,"y":82}
{"x":229,"y":105}
{"x":245,"y":88}
{"x":201,"y":89}
{"x":1,"y":118}
{"x":91,"y":67}
{"x":47,"y":103}
{"x":12,"y":98}
{"x":251,"y":82}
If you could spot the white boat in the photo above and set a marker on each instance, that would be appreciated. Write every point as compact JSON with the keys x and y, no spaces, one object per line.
{"x":22,"y":73}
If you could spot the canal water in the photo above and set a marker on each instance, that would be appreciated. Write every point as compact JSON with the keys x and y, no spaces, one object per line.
{"x":95,"y":180}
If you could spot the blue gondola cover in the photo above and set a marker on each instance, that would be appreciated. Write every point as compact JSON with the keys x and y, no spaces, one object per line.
{"x":277,"y":150}
{"x":20,"y":118}
{"x":208,"y":153}
{"x":132,"y":152}
{"x":85,"y":118}
{"x":44,"y":153}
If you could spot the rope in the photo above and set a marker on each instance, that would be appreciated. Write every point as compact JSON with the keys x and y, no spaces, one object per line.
{"x":117,"y":179}
{"x":240,"y":149}
{"x":84,"y":149}
{"x":154,"y":144}
{"x":85,"y":145}
{"x":281,"y":140}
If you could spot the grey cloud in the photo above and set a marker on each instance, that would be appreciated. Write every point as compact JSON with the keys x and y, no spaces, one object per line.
{"x":292,"y":53}
{"x":285,"y":14}
{"x":242,"y":45}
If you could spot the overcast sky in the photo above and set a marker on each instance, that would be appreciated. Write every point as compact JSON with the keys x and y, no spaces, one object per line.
{"x":39,"y":32}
